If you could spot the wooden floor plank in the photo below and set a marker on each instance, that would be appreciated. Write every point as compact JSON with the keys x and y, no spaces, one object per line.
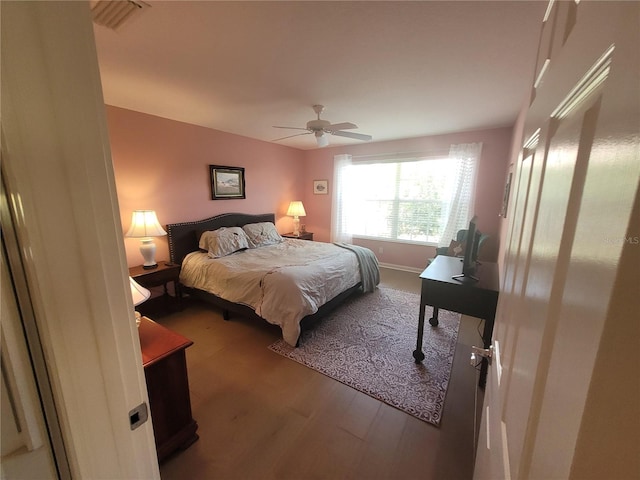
{"x":262,"y":416}
{"x":380,"y":447}
{"x":358,"y":417}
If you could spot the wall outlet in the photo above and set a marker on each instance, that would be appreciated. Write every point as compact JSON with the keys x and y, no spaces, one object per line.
{"x":380,"y":250}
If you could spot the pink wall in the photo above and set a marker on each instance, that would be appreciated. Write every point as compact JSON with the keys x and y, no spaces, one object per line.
{"x":163,"y":165}
{"x":489,"y":189}
{"x":514,"y":158}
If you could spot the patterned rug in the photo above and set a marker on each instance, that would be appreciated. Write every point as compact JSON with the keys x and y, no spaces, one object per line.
{"x":368,"y":342}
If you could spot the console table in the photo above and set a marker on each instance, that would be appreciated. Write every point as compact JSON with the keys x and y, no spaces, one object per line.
{"x":474,"y":298}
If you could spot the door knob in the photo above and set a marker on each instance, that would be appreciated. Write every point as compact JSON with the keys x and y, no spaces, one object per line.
{"x":481,"y":352}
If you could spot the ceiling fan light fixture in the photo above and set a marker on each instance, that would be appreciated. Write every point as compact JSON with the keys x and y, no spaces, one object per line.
{"x":322,"y":139}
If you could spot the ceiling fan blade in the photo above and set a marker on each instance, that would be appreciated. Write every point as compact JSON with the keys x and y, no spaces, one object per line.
{"x":341,"y":126}
{"x":291,"y":128}
{"x":296,"y":135}
{"x":357,"y":136}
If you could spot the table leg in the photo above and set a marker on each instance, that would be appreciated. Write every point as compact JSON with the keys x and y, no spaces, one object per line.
{"x":434,"y":319}
{"x":178,"y":292}
{"x":418,"y":354}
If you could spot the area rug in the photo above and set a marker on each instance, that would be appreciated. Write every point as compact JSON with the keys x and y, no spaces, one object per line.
{"x":368,"y":342}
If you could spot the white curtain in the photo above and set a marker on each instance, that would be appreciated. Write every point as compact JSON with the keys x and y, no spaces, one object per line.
{"x":464,"y":158}
{"x":340,"y":211}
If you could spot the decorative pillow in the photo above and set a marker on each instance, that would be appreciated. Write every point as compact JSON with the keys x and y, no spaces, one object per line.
{"x":261,"y":234}
{"x":456,"y":249}
{"x":223,"y":241}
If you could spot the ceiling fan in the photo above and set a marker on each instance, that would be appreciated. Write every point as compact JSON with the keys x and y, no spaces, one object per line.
{"x":320,"y":128}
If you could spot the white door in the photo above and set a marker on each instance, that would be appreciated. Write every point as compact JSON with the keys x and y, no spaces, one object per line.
{"x":562,"y":392}
{"x":57,"y":169}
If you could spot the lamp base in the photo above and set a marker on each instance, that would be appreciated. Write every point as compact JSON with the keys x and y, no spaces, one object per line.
{"x":296,"y":226}
{"x":148,"y":251}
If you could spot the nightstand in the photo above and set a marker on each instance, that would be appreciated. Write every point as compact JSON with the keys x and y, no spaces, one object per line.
{"x":165,"y":370}
{"x":302,"y":236}
{"x":164,"y":273}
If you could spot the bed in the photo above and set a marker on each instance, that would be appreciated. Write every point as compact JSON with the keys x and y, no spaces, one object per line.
{"x":288,"y":282}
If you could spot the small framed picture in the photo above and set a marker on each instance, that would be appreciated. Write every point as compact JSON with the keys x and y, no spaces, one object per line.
{"x":320,"y":187}
{"x":226,"y":182}
{"x":505,"y":198}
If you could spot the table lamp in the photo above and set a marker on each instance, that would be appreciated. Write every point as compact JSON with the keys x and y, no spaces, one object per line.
{"x":145,"y":225}
{"x":139,"y":294}
{"x":296,"y":209}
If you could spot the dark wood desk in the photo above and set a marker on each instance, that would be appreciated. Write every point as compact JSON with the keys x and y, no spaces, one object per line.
{"x":476,"y":299}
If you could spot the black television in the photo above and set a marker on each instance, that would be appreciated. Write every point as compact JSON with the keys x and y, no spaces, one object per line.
{"x":470,"y":254}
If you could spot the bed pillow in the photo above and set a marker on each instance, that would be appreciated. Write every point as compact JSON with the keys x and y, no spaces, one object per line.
{"x":223,"y":241}
{"x":261,"y":234}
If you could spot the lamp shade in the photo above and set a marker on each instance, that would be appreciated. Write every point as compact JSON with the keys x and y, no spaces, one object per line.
{"x":144,"y":224}
{"x":139,"y":294}
{"x":296,"y":209}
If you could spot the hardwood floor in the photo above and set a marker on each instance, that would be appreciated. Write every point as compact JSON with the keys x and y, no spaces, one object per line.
{"x":262,"y":416}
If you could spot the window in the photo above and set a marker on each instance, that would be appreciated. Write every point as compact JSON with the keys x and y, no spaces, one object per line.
{"x":400,"y":201}
{"x":424,"y":199}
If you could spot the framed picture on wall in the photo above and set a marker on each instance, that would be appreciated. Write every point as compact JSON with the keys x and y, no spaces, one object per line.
{"x":226,"y":182}
{"x":320,"y":187}
{"x":505,"y":198}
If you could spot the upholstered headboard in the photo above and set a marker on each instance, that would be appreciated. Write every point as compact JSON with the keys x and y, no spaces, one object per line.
{"x":184,"y":237}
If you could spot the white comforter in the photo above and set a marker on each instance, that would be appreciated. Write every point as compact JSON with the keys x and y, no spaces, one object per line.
{"x":283,"y":283}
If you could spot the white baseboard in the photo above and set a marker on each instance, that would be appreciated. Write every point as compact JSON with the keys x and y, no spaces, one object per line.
{"x":402,"y":268}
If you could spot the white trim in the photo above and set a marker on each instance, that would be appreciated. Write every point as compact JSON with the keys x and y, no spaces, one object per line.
{"x":547,"y":12}
{"x":418,"y":243}
{"x":401,"y":268}
{"x":543,"y":70}
{"x":487,"y":422}
{"x":505,"y":451}
{"x":399,"y":157}
{"x":587,"y":85}
{"x":60,"y":178}
{"x":533,"y":140}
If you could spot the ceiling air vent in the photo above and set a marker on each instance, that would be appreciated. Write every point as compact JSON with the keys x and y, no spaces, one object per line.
{"x":114,"y":13}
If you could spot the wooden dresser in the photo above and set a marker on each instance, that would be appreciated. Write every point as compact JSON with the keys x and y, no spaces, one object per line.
{"x":165,"y":369}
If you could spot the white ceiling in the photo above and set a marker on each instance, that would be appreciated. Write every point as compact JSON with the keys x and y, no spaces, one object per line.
{"x":396,"y":69}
